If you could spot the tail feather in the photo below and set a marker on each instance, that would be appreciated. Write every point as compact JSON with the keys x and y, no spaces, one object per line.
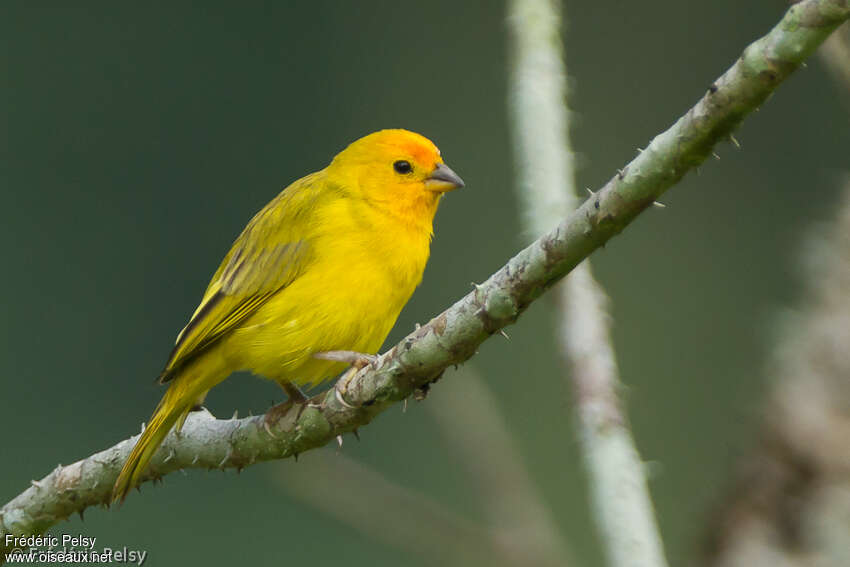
{"x":170,"y":409}
{"x":186,"y":390}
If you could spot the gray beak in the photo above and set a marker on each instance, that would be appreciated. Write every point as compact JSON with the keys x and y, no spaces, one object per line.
{"x":443,"y":179}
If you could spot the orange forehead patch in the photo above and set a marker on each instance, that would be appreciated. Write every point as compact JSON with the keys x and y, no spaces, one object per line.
{"x":424,"y":153}
{"x":417,"y":146}
{"x":394,"y":144}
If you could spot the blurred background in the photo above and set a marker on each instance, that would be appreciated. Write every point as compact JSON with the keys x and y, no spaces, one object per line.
{"x":139,"y":139}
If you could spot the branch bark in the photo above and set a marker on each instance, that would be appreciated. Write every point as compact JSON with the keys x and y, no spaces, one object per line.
{"x":453,"y":336}
{"x":622,"y":507}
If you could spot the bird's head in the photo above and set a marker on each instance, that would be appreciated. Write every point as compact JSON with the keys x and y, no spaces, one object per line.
{"x":397,"y":170}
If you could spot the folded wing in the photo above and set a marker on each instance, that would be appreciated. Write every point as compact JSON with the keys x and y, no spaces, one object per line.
{"x":272,"y":251}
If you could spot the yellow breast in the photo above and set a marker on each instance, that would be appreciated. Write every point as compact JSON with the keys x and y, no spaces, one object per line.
{"x":367,"y":266}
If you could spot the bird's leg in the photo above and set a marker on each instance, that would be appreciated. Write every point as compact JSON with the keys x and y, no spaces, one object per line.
{"x":354,"y":358}
{"x":294,"y":396}
{"x":357,"y":360}
{"x":199,"y":404}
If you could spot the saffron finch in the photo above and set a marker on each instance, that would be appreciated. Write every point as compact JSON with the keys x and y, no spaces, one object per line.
{"x":319,"y":273}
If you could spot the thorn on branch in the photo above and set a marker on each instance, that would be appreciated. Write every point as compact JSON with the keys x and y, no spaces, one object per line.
{"x":226,"y":456}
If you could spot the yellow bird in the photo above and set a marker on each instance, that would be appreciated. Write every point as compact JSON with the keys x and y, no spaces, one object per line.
{"x":326,"y":266}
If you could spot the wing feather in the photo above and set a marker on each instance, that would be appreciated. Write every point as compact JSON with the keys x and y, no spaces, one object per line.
{"x":272,"y":251}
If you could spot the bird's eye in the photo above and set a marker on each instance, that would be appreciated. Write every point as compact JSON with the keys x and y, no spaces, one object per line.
{"x":402,"y":166}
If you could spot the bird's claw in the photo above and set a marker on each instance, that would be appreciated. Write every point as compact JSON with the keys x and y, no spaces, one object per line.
{"x":356,"y":360}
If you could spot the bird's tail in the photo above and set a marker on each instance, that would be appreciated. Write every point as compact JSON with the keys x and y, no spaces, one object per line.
{"x":172,"y":408}
{"x":187,"y":390}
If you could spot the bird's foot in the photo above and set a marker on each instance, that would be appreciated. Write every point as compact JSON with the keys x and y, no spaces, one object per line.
{"x":356,"y":359}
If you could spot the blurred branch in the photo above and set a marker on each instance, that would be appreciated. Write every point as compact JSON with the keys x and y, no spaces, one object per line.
{"x":836,"y":54}
{"x":790,"y":503}
{"x":472,"y":423}
{"x":453,"y":336}
{"x":389,"y":513}
{"x":521,"y":533}
{"x":619,"y":492}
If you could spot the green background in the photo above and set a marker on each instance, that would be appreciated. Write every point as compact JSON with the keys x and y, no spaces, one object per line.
{"x":138,"y":139}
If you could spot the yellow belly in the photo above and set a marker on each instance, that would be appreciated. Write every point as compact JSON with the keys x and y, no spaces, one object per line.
{"x":351,"y":305}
